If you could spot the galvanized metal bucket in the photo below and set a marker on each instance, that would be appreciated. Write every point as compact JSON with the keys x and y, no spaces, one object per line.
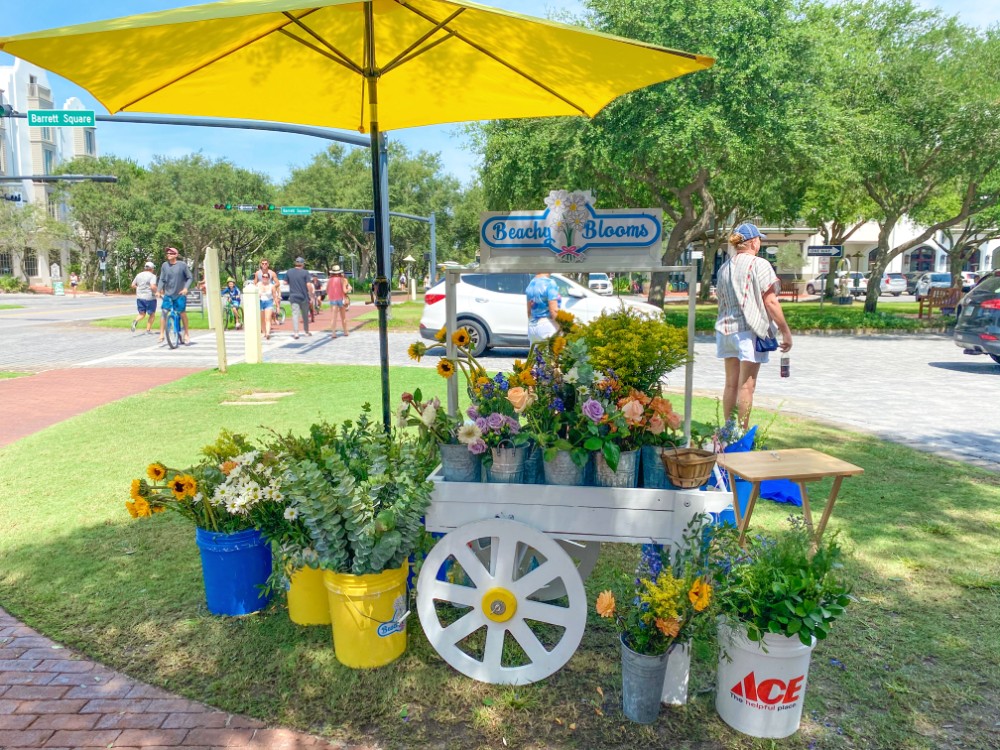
{"x":642,"y":685}
{"x":534,"y":473}
{"x":627,"y":474}
{"x":458,"y":464}
{"x":562,"y":470}
{"x":508,"y":466}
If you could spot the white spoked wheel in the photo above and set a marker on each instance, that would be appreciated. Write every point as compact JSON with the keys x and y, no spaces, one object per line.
{"x":583,"y":554}
{"x":487,"y":620}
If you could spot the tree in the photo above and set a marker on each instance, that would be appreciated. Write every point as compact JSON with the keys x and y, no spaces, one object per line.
{"x":27,"y":226}
{"x":921,"y":90}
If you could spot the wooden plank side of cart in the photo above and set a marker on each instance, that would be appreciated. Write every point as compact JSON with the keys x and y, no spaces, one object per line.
{"x":599,"y":514}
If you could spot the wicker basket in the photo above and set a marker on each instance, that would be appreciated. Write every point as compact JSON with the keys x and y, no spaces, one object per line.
{"x":688,"y":468}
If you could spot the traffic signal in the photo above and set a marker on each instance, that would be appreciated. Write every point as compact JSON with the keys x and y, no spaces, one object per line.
{"x":223,"y":206}
{"x":265,"y":206}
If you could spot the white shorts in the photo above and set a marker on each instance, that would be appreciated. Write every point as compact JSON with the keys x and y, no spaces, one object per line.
{"x":539,"y":330}
{"x":739,"y":345}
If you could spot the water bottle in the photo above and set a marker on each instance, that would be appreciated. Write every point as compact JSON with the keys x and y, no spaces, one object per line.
{"x":786,"y":367}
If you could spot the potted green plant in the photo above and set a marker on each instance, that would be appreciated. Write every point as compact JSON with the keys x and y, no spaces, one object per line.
{"x":777,"y":597}
{"x":362,"y":500}
{"x":670,"y":602}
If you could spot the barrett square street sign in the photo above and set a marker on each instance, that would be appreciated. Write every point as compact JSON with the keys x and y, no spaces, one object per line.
{"x":825,"y":251}
{"x":61,"y":118}
{"x":296,"y":210}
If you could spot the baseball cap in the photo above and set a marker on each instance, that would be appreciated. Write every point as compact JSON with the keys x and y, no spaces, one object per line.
{"x":300,"y":261}
{"x":149,"y":264}
{"x":172,"y":251}
{"x":749,"y":231}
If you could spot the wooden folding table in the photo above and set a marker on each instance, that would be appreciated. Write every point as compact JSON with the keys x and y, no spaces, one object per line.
{"x":799,"y":465}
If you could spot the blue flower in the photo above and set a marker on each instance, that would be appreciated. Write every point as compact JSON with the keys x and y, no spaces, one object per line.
{"x":557,"y":405}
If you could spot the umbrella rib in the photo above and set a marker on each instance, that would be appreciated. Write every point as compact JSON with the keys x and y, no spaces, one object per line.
{"x":209,"y":62}
{"x":405,"y":54}
{"x":344,"y":59}
{"x":497,"y":58}
{"x":428,"y":48}
{"x":336,"y":56}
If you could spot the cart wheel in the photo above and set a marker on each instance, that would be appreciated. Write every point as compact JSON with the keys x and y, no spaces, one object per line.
{"x":583,"y":554}
{"x":487,"y":619}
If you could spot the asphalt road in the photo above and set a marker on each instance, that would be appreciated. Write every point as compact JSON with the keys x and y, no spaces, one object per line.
{"x":919,"y":390}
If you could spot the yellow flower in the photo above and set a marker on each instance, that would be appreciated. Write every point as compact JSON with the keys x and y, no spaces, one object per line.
{"x":482,"y":380}
{"x":178,"y":485}
{"x":156,"y":471}
{"x":558,"y":345}
{"x":445,"y":367}
{"x":130,"y":507}
{"x":158,"y":508}
{"x":700,"y":595}
{"x":669,"y":628}
{"x":440,"y":335}
{"x":461,"y":337}
{"x":190,"y":485}
{"x":528,"y":379}
{"x":606,"y":604}
{"x":565,"y":318}
{"x":142,"y":509}
{"x":417,"y":350}
{"x":136,"y":490}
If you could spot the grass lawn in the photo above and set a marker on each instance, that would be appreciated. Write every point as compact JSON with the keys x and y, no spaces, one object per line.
{"x":405,"y":316}
{"x":915,"y":664}
{"x":808,"y":316}
{"x":196,"y":320}
{"x":11,"y":374}
{"x":10,"y":307}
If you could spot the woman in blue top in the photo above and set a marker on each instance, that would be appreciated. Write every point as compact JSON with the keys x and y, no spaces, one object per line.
{"x":543,"y":304}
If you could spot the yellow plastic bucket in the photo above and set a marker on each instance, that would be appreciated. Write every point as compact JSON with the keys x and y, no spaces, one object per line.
{"x":368,"y":614}
{"x":308,"y":603}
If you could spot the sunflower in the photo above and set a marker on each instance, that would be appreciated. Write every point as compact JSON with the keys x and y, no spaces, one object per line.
{"x":700,"y":595}
{"x":142,"y":508}
{"x":606,"y":604}
{"x":564,"y":318}
{"x":461,"y":337}
{"x":130,"y":507}
{"x":156,"y":471}
{"x":157,"y":508}
{"x":445,"y":367}
{"x":558,"y":344}
{"x":417,"y":350}
{"x":136,"y":489}
{"x":190,"y":485}
{"x":441,"y":335}
{"x":178,"y":485}
{"x":528,"y":379}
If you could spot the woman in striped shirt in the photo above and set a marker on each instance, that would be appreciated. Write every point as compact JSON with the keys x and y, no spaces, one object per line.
{"x":748,"y":309}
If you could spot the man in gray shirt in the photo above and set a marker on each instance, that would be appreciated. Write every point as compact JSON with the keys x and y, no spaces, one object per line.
{"x":172,"y":288}
{"x":300,"y":290}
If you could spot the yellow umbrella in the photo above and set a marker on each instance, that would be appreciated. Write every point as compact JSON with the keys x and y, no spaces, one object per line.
{"x":352,"y":64}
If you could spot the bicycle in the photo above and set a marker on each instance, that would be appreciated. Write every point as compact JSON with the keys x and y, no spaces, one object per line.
{"x":230,"y":317}
{"x":174,"y":332}
{"x":278,"y":315}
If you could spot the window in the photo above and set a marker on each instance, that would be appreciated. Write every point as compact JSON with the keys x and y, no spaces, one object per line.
{"x":46,"y":134}
{"x":90,"y":143}
{"x":50,"y":161}
{"x":30,"y":263}
{"x":6,"y":263}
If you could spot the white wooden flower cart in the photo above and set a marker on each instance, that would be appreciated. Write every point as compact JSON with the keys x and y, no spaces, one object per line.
{"x":501,"y":596}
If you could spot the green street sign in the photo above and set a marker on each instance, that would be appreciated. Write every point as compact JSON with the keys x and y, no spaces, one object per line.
{"x":296,"y":210}
{"x":61,"y":118}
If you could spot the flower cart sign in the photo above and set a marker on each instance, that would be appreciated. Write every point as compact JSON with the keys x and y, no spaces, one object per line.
{"x":571,"y":230}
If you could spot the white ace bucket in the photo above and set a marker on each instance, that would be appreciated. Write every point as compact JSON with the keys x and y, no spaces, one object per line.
{"x":757,"y":693}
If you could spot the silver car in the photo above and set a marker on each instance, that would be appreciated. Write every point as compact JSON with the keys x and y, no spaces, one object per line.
{"x":930,"y":281}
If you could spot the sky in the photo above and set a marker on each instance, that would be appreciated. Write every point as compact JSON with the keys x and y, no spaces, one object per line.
{"x":272,"y":153}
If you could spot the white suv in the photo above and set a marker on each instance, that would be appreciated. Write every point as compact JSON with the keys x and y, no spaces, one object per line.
{"x":600,"y":283}
{"x":493,"y":308}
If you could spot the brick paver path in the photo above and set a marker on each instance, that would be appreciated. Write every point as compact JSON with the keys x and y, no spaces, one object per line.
{"x":50,"y":697}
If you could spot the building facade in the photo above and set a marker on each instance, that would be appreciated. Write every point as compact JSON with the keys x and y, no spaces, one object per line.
{"x":26,"y":151}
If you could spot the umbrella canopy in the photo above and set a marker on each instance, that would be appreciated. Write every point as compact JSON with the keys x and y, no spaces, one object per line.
{"x":436,"y":61}
{"x":365,"y":65}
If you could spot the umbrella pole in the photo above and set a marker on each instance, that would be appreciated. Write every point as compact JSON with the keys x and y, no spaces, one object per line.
{"x":381,"y":282}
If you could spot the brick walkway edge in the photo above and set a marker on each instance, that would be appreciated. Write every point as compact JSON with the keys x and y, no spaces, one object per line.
{"x":51,"y":697}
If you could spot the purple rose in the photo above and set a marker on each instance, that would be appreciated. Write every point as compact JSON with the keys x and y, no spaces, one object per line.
{"x":593,"y":410}
{"x":481,"y":424}
{"x":495,"y":421}
{"x":472,"y":412}
{"x":477,"y":447}
{"x":512,"y":424}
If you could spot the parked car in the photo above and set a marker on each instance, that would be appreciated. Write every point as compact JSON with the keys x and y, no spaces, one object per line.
{"x":858,"y":284}
{"x":600,"y":283}
{"x":912,"y":277}
{"x":930,"y":281}
{"x":893,"y":283}
{"x":977,"y":319}
{"x":283,"y":283}
{"x":969,"y":280}
{"x":492,"y":307}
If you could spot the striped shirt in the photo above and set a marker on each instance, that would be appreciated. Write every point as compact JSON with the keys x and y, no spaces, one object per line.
{"x":740,"y":288}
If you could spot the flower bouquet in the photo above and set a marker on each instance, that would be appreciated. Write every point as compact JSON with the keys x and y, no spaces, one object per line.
{"x":440,"y":433}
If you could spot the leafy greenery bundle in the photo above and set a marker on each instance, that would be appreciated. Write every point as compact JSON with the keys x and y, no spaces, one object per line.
{"x":777,"y":585}
{"x":672,"y":598}
{"x":637,"y":349}
{"x":431,"y":421}
{"x":363,"y":496}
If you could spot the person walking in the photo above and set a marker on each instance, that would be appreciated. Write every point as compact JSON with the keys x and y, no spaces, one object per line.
{"x":74,"y":282}
{"x":172,"y":287}
{"x":337,"y":289}
{"x":749,"y":316}
{"x":300,"y":292}
{"x":543,"y":304}
{"x":145,"y":296}
{"x":265,"y":288}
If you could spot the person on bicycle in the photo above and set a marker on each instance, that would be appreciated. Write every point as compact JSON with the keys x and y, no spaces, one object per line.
{"x":232,"y":298}
{"x":172,"y":288}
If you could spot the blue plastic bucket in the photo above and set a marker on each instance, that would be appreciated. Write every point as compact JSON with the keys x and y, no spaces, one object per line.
{"x":234,"y":566}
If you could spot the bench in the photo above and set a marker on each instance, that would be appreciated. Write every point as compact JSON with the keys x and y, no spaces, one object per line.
{"x":945,"y":300}
{"x":789,"y":288}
